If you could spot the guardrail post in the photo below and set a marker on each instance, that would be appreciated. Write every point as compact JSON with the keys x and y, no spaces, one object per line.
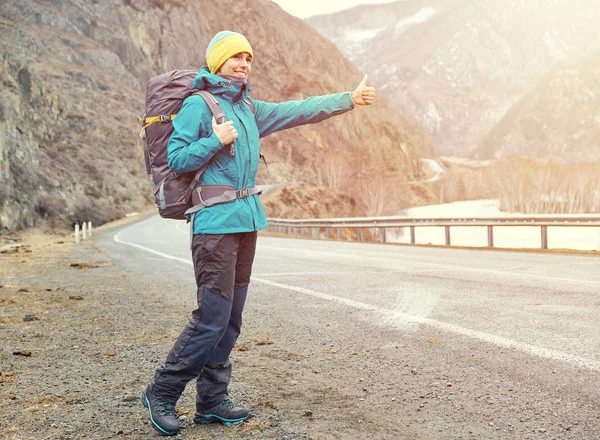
{"x":490,"y":236}
{"x":544,"y":236}
{"x":377,"y":227}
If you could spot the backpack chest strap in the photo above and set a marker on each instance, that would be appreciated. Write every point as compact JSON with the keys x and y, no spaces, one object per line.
{"x":209,"y":195}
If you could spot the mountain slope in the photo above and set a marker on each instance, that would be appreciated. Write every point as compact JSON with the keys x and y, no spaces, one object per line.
{"x":560,"y":116}
{"x":457,"y":66}
{"x":74,"y":73}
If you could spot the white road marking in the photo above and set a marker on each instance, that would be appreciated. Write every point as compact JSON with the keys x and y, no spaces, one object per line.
{"x":363,"y":257}
{"x":475,"y":334}
{"x":187,"y":227}
{"x":440,"y":265}
{"x":170,"y":257}
{"x":347,"y":272}
{"x":486,"y":337}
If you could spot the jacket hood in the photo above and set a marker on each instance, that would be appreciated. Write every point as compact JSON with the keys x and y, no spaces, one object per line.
{"x":217,"y":85}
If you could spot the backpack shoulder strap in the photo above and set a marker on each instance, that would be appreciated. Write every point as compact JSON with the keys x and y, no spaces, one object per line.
{"x":251,"y":105}
{"x":216,"y":110}
{"x":262,"y":156}
{"x":213,"y":105}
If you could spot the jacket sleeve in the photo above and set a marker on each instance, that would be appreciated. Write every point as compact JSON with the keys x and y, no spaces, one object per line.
{"x":193,"y":141}
{"x":272,"y":117}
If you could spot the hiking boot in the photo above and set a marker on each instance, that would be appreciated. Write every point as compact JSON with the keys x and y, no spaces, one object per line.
{"x":162,"y":413}
{"x":226,"y":412}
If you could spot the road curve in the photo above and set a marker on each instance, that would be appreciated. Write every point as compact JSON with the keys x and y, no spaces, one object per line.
{"x":512,"y":339}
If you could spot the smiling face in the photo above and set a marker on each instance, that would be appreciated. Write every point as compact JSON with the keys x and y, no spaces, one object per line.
{"x":238,"y":65}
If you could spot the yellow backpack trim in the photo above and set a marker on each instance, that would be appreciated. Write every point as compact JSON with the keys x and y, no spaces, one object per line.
{"x":147,"y":122}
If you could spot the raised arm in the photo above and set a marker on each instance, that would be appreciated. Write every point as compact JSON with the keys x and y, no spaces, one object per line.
{"x":272,"y":117}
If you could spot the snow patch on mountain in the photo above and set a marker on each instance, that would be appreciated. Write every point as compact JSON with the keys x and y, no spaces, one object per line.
{"x":432,"y":118}
{"x":387,"y":69}
{"x":420,"y":17}
{"x":353,"y":36}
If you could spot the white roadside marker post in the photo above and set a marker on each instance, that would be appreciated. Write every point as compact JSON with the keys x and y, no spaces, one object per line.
{"x":89,"y":228}
{"x":76,"y":232}
{"x":83,"y":230}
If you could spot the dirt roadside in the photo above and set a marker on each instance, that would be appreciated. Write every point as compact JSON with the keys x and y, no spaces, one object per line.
{"x":73,"y":360}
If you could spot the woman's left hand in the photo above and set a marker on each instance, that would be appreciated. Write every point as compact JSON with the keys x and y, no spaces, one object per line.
{"x":363,"y":95}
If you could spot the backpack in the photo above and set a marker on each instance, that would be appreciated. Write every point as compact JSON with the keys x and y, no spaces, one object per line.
{"x":174,"y":194}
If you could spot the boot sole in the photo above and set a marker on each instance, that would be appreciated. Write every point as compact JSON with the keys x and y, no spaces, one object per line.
{"x":213,"y":418}
{"x":145,"y":402}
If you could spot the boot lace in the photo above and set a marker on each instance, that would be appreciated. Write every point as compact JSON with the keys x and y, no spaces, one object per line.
{"x":165,"y":408}
{"x":227,"y":405}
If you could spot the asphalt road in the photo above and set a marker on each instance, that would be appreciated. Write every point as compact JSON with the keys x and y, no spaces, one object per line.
{"x":519,"y":330}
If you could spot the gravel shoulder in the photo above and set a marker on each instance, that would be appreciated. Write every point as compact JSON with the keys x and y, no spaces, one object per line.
{"x":83,"y":332}
{"x":74,"y":357}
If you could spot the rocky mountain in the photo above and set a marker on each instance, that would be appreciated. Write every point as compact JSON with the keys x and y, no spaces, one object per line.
{"x":73,"y":76}
{"x":457,"y":66}
{"x":559,"y":116}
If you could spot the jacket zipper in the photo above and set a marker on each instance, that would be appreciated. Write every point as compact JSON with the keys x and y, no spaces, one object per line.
{"x":247,"y":172}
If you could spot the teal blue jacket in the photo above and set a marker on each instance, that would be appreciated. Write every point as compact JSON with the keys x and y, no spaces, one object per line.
{"x":193,"y":143}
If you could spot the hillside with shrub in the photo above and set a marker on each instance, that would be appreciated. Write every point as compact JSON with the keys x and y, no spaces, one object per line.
{"x":74,"y":74}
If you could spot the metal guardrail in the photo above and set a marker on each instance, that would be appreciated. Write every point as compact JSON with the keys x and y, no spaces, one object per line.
{"x":314,"y":227}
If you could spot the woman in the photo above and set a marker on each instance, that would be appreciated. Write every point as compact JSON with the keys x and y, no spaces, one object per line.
{"x":224,"y":239}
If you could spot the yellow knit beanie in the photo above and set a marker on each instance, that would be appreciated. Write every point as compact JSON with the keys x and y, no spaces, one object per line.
{"x":223,"y":46}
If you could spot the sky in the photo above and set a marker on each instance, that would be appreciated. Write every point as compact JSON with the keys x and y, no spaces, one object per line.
{"x":308,"y":8}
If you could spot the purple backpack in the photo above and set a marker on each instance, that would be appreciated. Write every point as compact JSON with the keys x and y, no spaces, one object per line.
{"x":165,"y":94}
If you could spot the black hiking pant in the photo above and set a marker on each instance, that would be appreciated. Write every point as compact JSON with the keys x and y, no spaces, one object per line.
{"x":222,"y":264}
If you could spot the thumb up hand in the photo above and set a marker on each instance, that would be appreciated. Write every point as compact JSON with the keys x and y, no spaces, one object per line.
{"x":363,"y":95}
